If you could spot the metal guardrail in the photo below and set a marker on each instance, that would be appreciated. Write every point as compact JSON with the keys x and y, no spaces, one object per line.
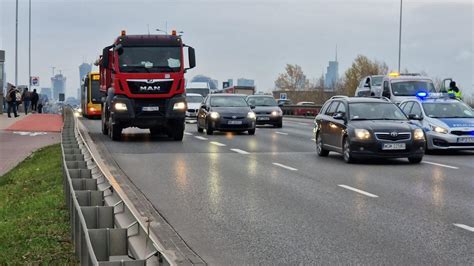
{"x":103,"y":228}
{"x":301,"y":110}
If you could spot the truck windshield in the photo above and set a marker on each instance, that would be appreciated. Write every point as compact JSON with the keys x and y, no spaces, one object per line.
{"x":150,"y":59}
{"x":448,"y":110}
{"x":410,"y":88}
{"x":375,"y":111}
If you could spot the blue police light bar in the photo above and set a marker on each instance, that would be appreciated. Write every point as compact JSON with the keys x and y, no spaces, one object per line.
{"x":421,"y":94}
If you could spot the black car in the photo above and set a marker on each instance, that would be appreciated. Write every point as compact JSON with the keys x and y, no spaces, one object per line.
{"x":266,"y":109}
{"x":361,"y":127}
{"x":226,"y":112}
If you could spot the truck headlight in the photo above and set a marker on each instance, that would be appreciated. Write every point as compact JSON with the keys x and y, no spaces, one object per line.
{"x":120,"y":107}
{"x":418,"y":134}
{"x":214,"y":115}
{"x":251,"y":115}
{"x":362,"y":133}
{"x":179,"y":106}
{"x":439,"y":129}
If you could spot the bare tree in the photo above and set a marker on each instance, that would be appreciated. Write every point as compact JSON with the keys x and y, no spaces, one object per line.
{"x":292,"y":80}
{"x":361,"y":67}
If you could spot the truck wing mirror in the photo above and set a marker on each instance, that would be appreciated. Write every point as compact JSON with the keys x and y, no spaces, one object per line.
{"x":192,"y":57}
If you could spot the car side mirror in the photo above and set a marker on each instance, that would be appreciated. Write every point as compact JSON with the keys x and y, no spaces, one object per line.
{"x":339,"y":116}
{"x":386,"y":94}
{"x":252,"y":106}
{"x":414,"y":117}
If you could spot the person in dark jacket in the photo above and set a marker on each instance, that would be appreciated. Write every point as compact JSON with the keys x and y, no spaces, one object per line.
{"x":11,"y":100}
{"x":26,"y":98}
{"x":34,"y":100}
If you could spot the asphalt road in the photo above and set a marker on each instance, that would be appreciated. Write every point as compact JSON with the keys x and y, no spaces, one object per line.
{"x":269,"y":199}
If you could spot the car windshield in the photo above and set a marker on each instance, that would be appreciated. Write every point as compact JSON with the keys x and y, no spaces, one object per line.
{"x":448,"y":110}
{"x":228,"y":101}
{"x":375,"y":111}
{"x":262,"y":101}
{"x":377,"y":81}
{"x":410,"y":88}
{"x":194,"y":99}
{"x":150,"y":59}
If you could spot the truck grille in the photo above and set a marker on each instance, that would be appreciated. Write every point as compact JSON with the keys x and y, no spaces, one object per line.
{"x":150,"y":86}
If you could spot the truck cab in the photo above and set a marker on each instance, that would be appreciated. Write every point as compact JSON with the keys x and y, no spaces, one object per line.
{"x":399,"y":87}
{"x":142,"y":79}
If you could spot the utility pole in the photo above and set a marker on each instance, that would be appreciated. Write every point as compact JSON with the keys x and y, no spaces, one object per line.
{"x":29,"y":45}
{"x":400,"y":38}
{"x":16,"y":45}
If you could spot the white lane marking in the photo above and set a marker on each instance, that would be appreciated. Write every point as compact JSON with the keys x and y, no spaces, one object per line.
{"x":285,"y":166}
{"x":463,"y":226}
{"x":440,"y":164}
{"x":281,"y":133}
{"x":187,"y":133}
{"x":359,"y":191}
{"x":201,"y":138}
{"x":218,"y":143}
{"x":31,"y":134}
{"x":239,"y":151}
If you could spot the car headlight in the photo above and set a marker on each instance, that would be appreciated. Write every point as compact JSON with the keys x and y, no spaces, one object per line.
{"x":276,"y":113}
{"x":362,"y":133}
{"x":418,"y":134}
{"x":179,"y":106}
{"x":251,"y":115}
{"x":120,"y":107}
{"x":79,"y":110}
{"x":214,"y":115}
{"x":439,"y":129}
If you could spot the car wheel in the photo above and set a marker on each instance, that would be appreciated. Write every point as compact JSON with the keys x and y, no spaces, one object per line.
{"x":320,"y":147}
{"x":252,"y":131}
{"x":155,"y":131}
{"x":209,"y":130}
{"x":346,"y":151}
{"x":415,"y":160}
{"x":279,"y":125}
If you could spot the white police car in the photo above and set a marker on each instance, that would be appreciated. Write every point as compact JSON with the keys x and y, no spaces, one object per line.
{"x":448,"y":123}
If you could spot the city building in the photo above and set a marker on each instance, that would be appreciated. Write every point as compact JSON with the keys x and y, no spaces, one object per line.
{"x":58,"y":82}
{"x":47,"y":91}
{"x":84,"y":68}
{"x":332,"y":75}
{"x":243,"y":82}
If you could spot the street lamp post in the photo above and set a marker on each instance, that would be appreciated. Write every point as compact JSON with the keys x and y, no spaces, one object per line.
{"x":400,"y":38}
{"x":29,"y":45}
{"x":16,"y":45}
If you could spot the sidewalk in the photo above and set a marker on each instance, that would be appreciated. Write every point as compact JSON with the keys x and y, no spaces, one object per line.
{"x":20,"y":136}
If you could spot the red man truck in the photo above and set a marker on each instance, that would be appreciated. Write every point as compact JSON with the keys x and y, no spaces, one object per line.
{"x":142,"y":78}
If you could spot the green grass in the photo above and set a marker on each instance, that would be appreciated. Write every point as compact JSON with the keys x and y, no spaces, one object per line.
{"x":34,"y":224}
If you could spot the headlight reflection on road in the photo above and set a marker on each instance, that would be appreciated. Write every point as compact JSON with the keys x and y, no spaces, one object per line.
{"x":181,"y":175}
{"x":214,"y":182}
{"x":437,"y":189}
{"x":360,"y":202}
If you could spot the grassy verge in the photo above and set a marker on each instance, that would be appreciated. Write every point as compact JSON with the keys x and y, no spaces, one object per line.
{"x":34,"y":225}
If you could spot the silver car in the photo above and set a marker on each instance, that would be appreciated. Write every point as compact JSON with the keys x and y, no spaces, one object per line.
{"x":448,"y":123}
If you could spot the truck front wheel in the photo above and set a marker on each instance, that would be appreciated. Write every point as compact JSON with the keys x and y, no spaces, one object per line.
{"x":115,"y":130}
{"x":105,"y":130}
{"x":176,"y":130}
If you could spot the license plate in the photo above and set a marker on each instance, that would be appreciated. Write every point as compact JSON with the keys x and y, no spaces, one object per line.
{"x":263,"y":118}
{"x":393,"y":146}
{"x":150,"y":108}
{"x":466,"y":140}
{"x":234,"y":122}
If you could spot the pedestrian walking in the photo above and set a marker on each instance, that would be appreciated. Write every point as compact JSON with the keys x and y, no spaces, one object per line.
{"x":26,"y":98}
{"x":34,"y":101}
{"x":12,"y":100}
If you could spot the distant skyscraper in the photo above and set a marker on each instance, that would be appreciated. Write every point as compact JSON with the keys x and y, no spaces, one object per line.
{"x":84,"y":68}
{"x":332,"y":75}
{"x":58,"y":82}
{"x":245,"y":82}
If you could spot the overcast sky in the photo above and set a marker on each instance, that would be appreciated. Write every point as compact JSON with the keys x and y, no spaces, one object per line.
{"x":248,"y":38}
